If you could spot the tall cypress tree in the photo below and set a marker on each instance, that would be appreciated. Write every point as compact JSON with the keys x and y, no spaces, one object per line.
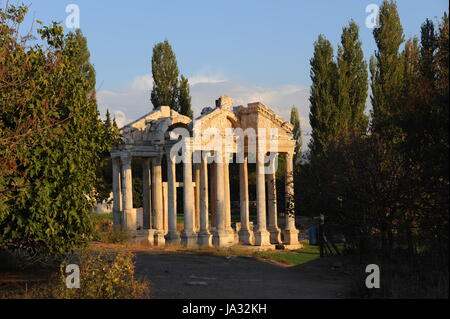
{"x":165,"y":76}
{"x":323,"y":112}
{"x":386,"y":71}
{"x":297,"y":134}
{"x":352,"y":82}
{"x":184,"y":98}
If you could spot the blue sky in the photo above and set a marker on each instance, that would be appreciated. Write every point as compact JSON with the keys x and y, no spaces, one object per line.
{"x":248,"y":49}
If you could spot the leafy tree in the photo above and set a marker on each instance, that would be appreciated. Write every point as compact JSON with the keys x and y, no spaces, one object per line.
{"x":165,"y":76}
{"x":51,"y":138}
{"x":184,"y":98}
{"x":324,"y":113}
{"x":352,"y":82}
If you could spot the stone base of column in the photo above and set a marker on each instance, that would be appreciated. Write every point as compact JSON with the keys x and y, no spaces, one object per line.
{"x":262,"y":238}
{"x":117,"y":221}
{"x":290,"y":237}
{"x":189,"y":240}
{"x":160,"y":241}
{"x":275,"y":235}
{"x":143,"y":237}
{"x":246,"y":237}
{"x":205,"y":239}
{"x":173,"y":239}
{"x":222,"y":239}
{"x":129,"y":220}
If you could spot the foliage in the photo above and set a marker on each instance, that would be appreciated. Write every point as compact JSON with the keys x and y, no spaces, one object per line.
{"x":168,"y":89}
{"x":184,"y":98}
{"x":386,"y":70}
{"x":386,"y":190}
{"x":297,"y":135}
{"x":323,"y":112}
{"x":51,"y":138}
{"x":352,"y":82}
{"x":105,"y":232}
{"x":102,"y":276}
{"x":165,"y":76}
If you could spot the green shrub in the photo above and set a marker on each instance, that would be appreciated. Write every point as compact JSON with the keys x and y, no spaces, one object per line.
{"x":104,"y":230}
{"x":102,"y":276}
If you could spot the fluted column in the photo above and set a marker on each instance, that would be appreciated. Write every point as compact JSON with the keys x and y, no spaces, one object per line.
{"x":262,"y":236}
{"x":204,"y":237}
{"x":188,"y":235}
{"x":158,"y":202}
{"x":117,"y":194}
{"x":245,"y":234}
{"x":172,"y":237}
{"x":146,"y":185}
{"x":220,"y":235}
{"x":290,"y":233}
{"x":274,"y":230}
{"x":129,"y":217}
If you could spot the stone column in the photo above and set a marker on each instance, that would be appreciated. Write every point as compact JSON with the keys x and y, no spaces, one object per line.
{"x":146,"y":184}
{"x":117,"y":194}
{"x":262,"y":236}
{"x":188,"y":235}
{"x":197,"y":196}
{"x":226,"y":181}
{"x":245,"y":234}
{"x":220,"y":235}
{"x":204,"y":237}
{"x":129,"y":216}
{"x":274,"y":230}
{"x":212,"y":196}
{"x":290,"y":233}
{"x":172,"y":237}
{"x":158,"y":202}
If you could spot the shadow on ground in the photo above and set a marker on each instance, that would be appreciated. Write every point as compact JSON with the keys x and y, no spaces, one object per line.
{"x":189,"y":276}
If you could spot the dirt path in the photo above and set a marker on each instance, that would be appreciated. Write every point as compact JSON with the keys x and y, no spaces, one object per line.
{"x":188,"y":276}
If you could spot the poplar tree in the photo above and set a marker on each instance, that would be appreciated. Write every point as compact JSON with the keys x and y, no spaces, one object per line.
{"x":387,"y":71}
{"x":165,"y":76}
{"x":323,"y":113}
{"x":352,"y":82}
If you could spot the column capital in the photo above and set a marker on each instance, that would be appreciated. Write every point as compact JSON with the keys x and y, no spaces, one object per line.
{"x":157,"y":160}
{"x":126,"y":159}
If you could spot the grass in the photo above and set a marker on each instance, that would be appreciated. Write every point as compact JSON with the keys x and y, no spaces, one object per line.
{"x":291,"y":257}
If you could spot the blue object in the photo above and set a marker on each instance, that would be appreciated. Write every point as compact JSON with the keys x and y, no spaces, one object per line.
{"x":313,"y":235}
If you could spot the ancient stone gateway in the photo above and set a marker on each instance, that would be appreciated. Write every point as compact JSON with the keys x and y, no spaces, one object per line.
{"x":205,"y":148}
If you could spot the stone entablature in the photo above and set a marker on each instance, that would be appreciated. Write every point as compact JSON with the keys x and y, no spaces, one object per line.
{"x":253,"y":130}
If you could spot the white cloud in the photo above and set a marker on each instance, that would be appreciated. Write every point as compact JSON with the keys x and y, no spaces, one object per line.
{"x":142,"y":83}
{"x":206,"y":79}
{"x":134,"y":100}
